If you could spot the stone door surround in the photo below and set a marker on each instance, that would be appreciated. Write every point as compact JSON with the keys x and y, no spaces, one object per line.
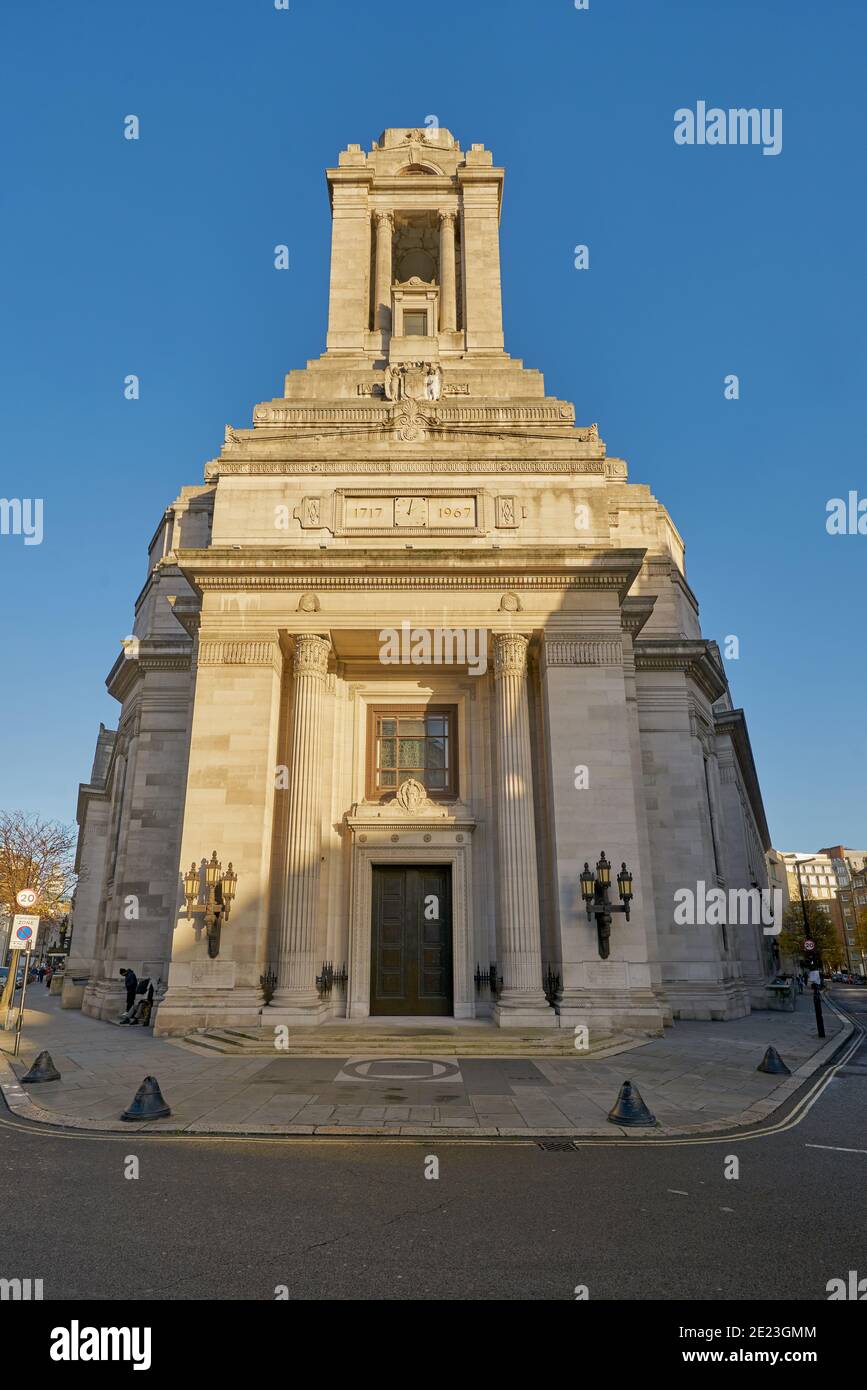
{"x":410,"y":842}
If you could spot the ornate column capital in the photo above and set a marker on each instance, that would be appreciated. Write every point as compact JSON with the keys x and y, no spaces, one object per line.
{"x":383,"y":219}
{"x":310,"y":657}
{"x":510,"y":654}
{"x":447,"y":215}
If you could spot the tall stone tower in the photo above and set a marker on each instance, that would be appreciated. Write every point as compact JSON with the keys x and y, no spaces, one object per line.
{"x":413,"y":652}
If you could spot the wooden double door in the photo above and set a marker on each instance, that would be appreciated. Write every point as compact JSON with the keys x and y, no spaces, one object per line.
{"x":411,"y":968}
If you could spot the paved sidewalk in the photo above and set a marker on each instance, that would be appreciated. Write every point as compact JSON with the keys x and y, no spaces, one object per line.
{"x":699,"y":1078}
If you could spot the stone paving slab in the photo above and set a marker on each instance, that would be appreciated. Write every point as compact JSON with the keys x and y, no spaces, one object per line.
{"x":700,"y":1078}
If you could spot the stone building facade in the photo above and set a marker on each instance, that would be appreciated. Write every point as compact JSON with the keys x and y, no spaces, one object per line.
{"x":412,"y":652}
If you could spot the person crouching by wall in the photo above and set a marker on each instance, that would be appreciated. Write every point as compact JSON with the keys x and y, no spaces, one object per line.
{"x":140,"y":1011}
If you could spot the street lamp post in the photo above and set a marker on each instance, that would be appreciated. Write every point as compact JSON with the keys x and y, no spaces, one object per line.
{"x":219,"y":892}
{"x":594,"y":891}
{"x":816,"y":957}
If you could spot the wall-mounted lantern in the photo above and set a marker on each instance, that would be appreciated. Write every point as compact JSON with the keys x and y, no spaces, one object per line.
{"x":594,"y":891}
{"x":219,"y":891}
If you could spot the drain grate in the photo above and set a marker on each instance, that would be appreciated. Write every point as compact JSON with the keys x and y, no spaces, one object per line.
{"x":557,"y":1146}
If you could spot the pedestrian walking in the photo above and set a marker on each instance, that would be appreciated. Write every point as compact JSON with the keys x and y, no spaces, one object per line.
{"x":48,"y":974}
{"x":131,"y":981}
{"x":41,"y":973}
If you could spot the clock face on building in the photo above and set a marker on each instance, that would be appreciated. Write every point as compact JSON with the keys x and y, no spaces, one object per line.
{"x":410,"y":511}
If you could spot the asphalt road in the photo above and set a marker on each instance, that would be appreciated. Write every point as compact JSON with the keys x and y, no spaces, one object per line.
{"x":351,"y":1220}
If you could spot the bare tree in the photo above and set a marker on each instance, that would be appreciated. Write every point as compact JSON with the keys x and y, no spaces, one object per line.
{"x":36,"y":854}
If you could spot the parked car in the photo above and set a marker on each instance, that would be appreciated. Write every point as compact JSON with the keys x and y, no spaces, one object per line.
{"x":4,"y":976}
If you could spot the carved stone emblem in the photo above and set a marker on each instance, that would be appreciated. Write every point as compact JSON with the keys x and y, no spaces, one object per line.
{"x":309,"y":513}
{"x":411,"y":797}
{"x":409,"y":423}
{"x":413,"y":381}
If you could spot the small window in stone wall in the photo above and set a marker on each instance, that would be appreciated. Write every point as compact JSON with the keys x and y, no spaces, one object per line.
{"x":415,"y":323}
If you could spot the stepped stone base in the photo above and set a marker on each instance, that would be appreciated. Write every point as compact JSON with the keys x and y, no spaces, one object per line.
{"x":340,"y":1040}
{"x":711,"y":1001}
{"x":636,"y":1012}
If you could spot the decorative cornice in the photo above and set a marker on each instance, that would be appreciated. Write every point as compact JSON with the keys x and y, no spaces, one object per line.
{"x":166,"y":663}
{"x":733,"y":722}
{"x":554,"y":412}
{"x":187,"y":611}
{"x":583,"y":651}
{"x":634,"y":612}
{"x":693,"y":657}
{"x":397,"y":465}
{"x":142,"y":655}
{"x":258,"y":568}
{"x":374,"y":825}
{"x":700,"y":724}
{"x":238,"y":653}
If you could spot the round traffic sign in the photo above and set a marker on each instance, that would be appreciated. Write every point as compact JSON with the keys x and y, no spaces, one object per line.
{"x":23,"y":934}
{"x":809,"y":945}
{"x":26,"y":898}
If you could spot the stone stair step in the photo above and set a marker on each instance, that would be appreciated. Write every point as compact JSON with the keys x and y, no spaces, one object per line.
{"x":330,"y":1041}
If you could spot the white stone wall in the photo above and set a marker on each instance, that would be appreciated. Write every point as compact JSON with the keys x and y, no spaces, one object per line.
{"x":302,"y":540}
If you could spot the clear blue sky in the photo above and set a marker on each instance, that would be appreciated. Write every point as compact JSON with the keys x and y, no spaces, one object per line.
{"x":156,"y":257}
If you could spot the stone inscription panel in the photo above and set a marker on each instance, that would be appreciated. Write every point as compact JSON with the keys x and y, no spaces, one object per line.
{"x":213,"y":974}
{"x":610,"y":975}
{"x":369,"y":511}
{"x":375,"y":512}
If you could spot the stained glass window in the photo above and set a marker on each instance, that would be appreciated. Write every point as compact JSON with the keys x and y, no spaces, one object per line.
{"x":413,"y":743}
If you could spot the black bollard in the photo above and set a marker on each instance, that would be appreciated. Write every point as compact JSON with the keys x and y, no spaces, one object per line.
{"x":148,"y":1102}
{"x":629,"y":1108}
{"x":773,"y":1063}
{"x":43,"y":1069}
{"x":817,"y":1005}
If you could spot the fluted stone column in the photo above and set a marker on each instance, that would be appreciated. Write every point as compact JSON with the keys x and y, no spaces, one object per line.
{"x":296,"y":989}
{"x":448,"y":279}
{"x":382,"y":283}
{"x":522,"y":1000}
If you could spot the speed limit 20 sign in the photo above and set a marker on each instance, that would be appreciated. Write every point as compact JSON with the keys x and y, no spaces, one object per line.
{"x":26,"y":898}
